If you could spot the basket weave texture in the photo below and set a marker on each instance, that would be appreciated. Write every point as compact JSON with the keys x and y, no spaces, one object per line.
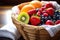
{"x":30,"y":32}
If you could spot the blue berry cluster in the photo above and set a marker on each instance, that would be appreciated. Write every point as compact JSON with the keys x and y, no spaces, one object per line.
{"x":54,"y":18}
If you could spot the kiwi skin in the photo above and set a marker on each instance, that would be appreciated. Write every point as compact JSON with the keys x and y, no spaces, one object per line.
{"x":25,"y":15}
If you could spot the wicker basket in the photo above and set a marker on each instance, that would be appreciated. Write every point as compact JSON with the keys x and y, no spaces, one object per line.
{"x":30,"y":32}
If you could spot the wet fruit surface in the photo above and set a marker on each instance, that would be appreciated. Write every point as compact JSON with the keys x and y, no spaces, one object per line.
{"x":36,"y":4}
{"x":26,"y":8}
{"x":38,"y":14}
{"x":35,"y":20}
{"x":23,"y":17}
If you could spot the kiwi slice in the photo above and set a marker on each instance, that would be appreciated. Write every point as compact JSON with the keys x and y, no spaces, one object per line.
{"x":23,"y":17}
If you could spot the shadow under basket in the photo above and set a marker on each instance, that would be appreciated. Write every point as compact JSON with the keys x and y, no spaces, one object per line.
{"x":30,"y":32}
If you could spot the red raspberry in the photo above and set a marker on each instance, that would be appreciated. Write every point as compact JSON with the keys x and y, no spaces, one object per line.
{"x":38,"y":13}
{"x":57,"y":22}
{"x":49,"y":22}
{"x":31,"y":12}
{"x":45,"y":14}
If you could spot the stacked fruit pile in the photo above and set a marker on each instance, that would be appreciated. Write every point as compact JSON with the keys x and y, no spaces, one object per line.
{"x":38,"y":13}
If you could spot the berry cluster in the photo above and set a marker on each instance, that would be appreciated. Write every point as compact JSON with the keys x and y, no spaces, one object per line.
{"x":46,"y":14}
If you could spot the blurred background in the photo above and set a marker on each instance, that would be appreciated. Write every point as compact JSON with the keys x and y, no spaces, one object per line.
{"x":12,"y":2}
{"x":15,"y":2}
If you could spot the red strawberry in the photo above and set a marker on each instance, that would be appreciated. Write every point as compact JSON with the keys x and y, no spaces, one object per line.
{"x":49,"y":22}
{"x":57,"y":22}
{"x":50,"y":11}
{"x":45,"y":14}
{"x":48,"y":5}
{"x":31,"y":12}
{"x":35,"y":20}
{"x":38,"y":13}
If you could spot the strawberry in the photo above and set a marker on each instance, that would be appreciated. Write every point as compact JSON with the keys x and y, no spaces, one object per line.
{"x":49,"y":22}
{"x":50,"y":11}
{"x":57,"y":22}
{"x":45,"y":14}
{"x":35,"y":20}
{"x":49,"y":5}
{"x":31,"y":12}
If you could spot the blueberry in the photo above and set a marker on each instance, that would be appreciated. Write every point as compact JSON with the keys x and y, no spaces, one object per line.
{"x":42,"y":18}
{"x":57,"y":17}
{"x":54,"y":17}
{"x":56,"y":12}
{"x":42,"y":15}
{"x":49,"y":18}
{"x":42,"y":22}
{"x":59,"y":13}
{"x":54,"y":21}
{"x":46,"y":18}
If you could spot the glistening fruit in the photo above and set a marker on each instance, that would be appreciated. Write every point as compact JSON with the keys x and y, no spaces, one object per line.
{"x":35,"y":20}
{"x":23,"y":17}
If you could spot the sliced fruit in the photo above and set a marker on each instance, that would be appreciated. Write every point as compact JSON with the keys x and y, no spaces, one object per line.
{"x":36,"y":4}
{"x":22,"y":5}
{"x":23,"y":17}
{"x":31,"y":12}
{"x":26,"y":8}
{"x":50,"y":11}
{"x":49,"y":22}
{"x":57,"y":22}
{"x":35,"y":20}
